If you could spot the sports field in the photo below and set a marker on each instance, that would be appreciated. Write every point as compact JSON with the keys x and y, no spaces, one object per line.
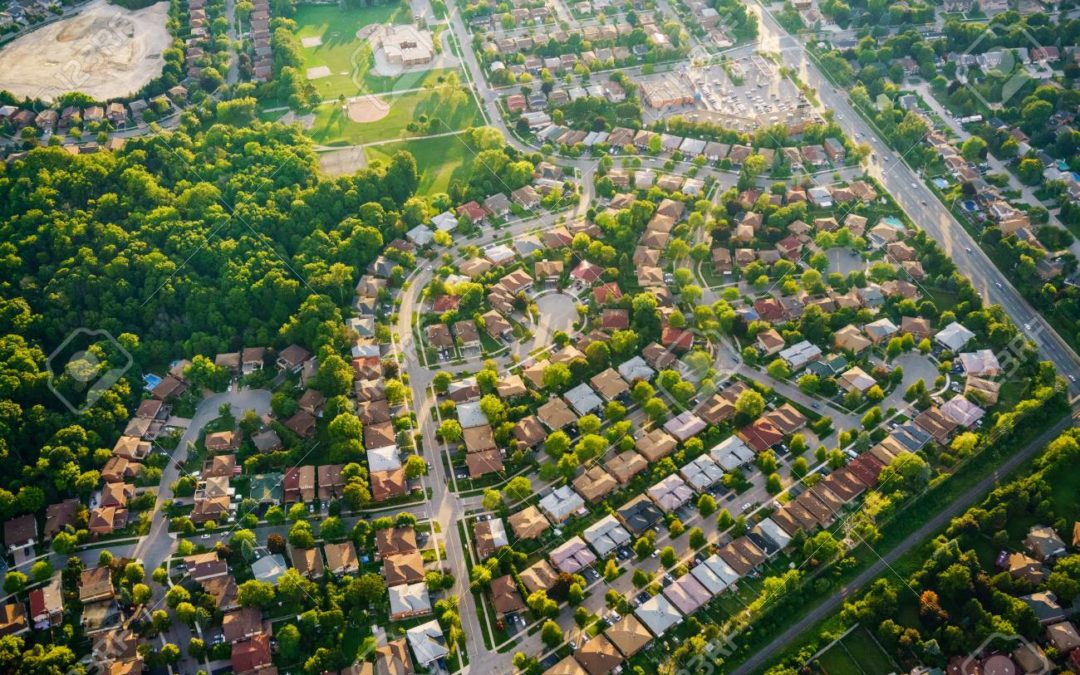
{"x":338,"y":63}
{"x":359,"y":124}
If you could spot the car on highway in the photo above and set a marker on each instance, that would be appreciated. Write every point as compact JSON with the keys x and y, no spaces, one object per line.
{"x":998,"y":284}
{"x":1027,"y":326}
{"x":968,"y":249}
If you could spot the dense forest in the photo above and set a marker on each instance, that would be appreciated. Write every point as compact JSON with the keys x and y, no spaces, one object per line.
{"x":207,"y":239}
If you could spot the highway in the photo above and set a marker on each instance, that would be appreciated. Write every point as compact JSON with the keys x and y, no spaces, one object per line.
{"x":924,"y":208}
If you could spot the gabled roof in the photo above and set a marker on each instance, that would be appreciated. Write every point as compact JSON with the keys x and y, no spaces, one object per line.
{"x":658,"y":614}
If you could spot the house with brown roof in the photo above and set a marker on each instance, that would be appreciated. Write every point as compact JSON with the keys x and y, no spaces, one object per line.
{"x":505,"y":595}
{"x":13,"y":619}
{"x":529,"y":523}
{"x":219,"y":466}
{"x":388,"y":484}
{"x":539,"y":576}
{"x":95,"y":585}
{"x":292,"y":358}
{"x":379,"y":435}
{"x":331,"y":482}
{"x":556,"y":414}
{"x":656,"y":445}
{"x":484,"y":462}
{"x":624,"y":466}
{"x":394,"y":541}
{"x":302,"y":423}
{"x":594,"y":484}
{"x":251,"y":655}
{"x":529,"y":432}
{"x":20,"y":532}
{"x":223,"y":441}
{"x":393,"y":659}
{"x":116,"y":494}
{"x":760,"y":435}
{"x":242,"y":624}
{"x":598,"y":656}
{"x":341,"y":558}
{"x":308,"y":562}
{"x":403,"y":568}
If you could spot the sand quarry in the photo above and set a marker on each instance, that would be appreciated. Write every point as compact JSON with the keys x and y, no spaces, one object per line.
{"x":103,"y":51}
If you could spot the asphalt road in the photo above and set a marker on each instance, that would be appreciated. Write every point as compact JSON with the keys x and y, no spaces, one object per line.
{"x":762,"y":657}
{"x":924,"y":208}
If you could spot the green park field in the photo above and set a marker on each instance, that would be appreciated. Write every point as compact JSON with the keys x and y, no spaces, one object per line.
{"x":348,"y":58}
{"x":453,"y":108}
{"x":441,"y":160}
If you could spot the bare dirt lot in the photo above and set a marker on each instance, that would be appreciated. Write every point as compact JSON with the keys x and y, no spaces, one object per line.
{"x":103,"y":51}
{"x":367,"y":109}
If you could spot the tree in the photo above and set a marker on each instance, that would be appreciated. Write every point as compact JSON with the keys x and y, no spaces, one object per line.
{"x":773,"y":485}
{"x":907,"y":472}
{"x":14,"y":582}
{"x":332,"y":529}
{"x":492,"y":499}
{"x":611,"y":570}
{"x":706,"y":505}
{"x":288,"y":637}
{"x":255,"y":593}
{"x":369,"y":587}
{"x":697,"y":538}
{"x":415,"y":466}
{"x":973,"y":149}
{"x":64,"y":543}
{"x":275,"y":515}
{"x":300,"y":535}
{"x":640,"y":578}
{"x":1030,"y":171}
{"x":778,"y":370}
{"x":724,"y":520}
{"x":821,"y":548}
{"x":185,"y":612}
{"x":441,"y":381}
{"x":519,"y":488}
{"x":450,"y":431}
{"x":551,"y":634}
{"x":298,"y":512}
{"x":178,"y":594}
{"x":750,"y":404}
{"x":140,"y":594}
{"x":556,"y":444}
{"x":799,"y":467}
{"x":41,"y":571}
{"x":667,"y":556}
{"x":556,"y":376}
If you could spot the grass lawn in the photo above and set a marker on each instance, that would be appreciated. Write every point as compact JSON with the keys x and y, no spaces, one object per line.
{"x":454,"y":109}
{"x":441,"y":161}
{"x":348,"y":58}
